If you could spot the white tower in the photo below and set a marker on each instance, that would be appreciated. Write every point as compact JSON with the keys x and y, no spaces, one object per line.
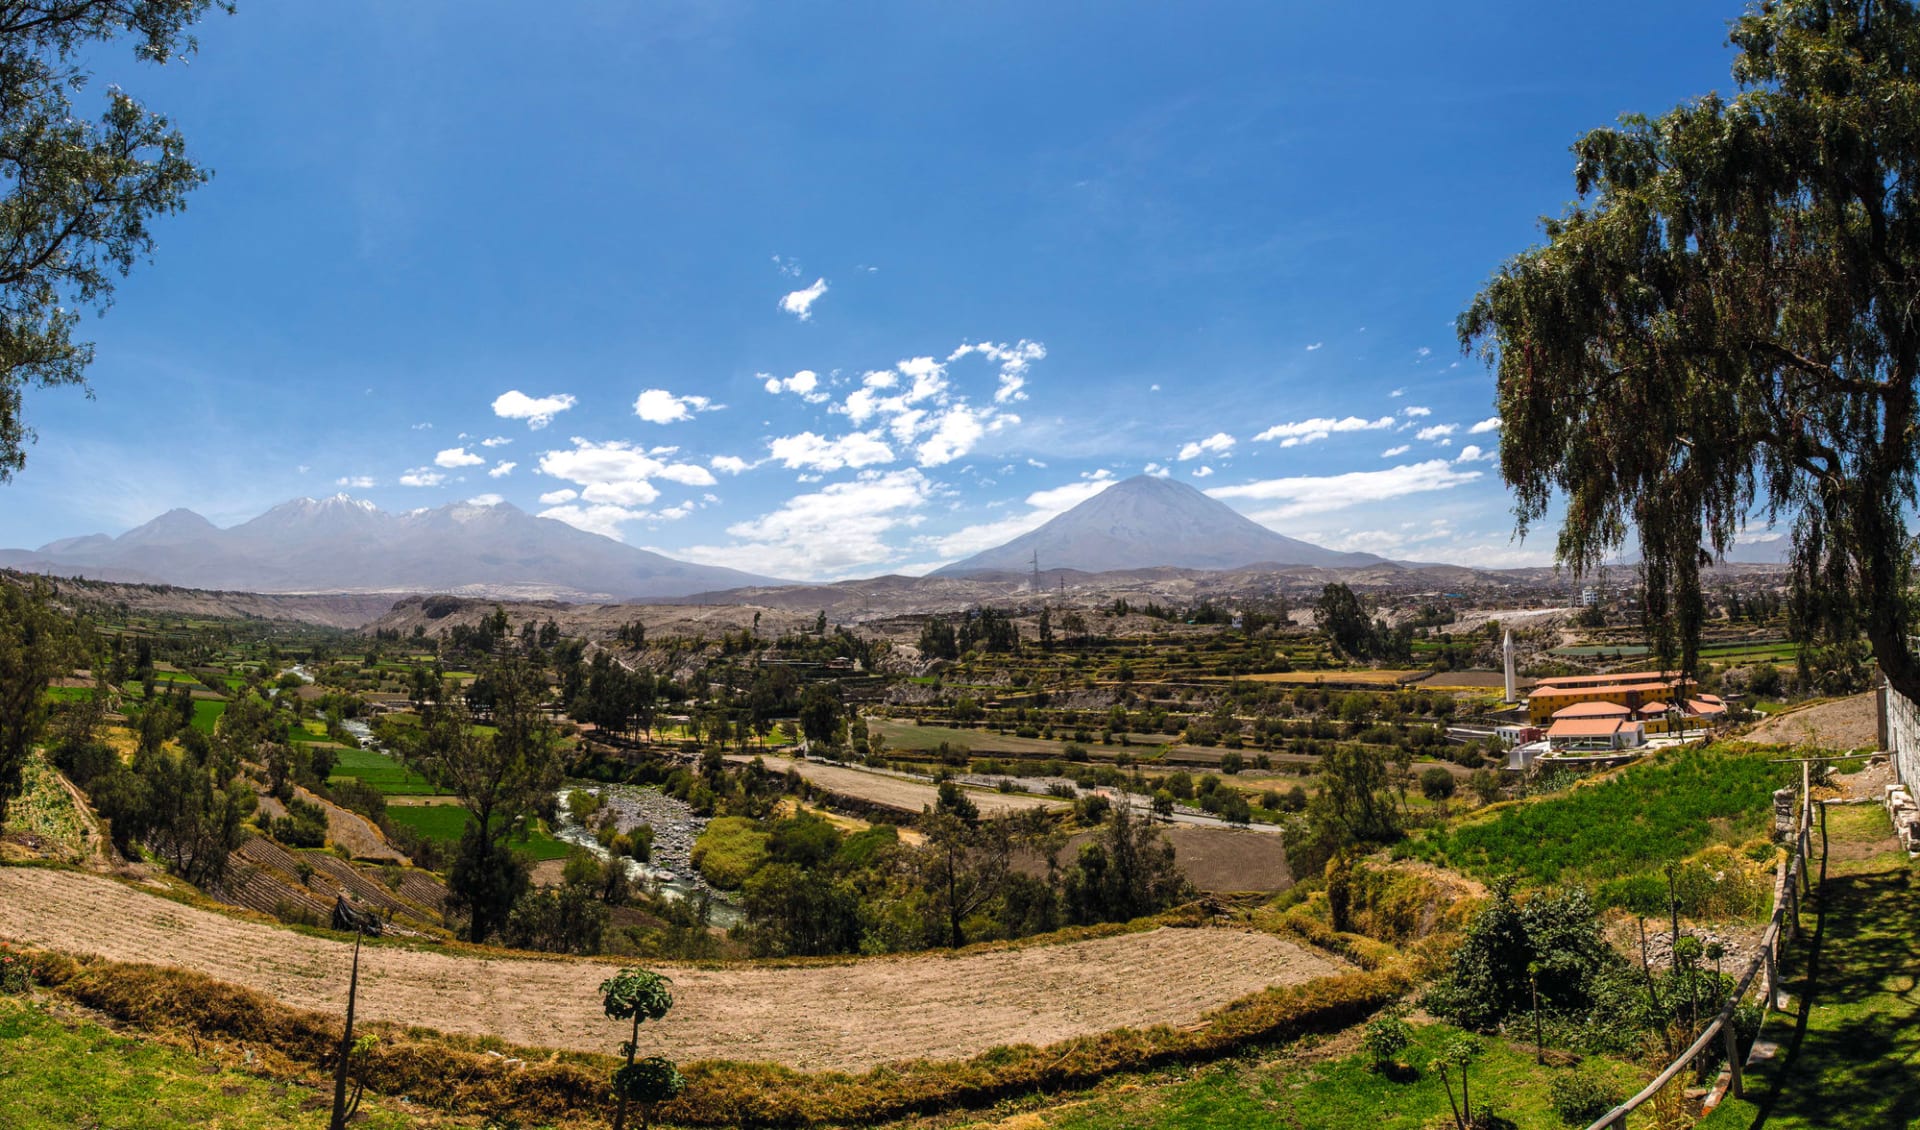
{"x":1506,"y":651}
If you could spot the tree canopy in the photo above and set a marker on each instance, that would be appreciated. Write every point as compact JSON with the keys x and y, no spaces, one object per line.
{"x":1726,"y":327}
{"x":76,"y":196}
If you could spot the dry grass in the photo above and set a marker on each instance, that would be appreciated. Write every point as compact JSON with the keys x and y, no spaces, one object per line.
{"x":486,"y":1076}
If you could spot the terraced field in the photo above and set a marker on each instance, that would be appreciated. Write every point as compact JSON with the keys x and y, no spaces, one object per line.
{"x":848,"y":1015}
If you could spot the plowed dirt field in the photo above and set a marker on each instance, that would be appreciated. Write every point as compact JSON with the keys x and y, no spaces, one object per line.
{"x":846,"y":1016}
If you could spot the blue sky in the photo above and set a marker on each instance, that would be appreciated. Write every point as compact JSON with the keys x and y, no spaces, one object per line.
{"x":826,"y":290}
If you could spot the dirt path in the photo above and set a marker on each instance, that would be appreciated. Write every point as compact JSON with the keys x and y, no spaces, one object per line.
{"x":898,"y":792}
{"x":1844,"y":724}
{"x":848,"y":1016}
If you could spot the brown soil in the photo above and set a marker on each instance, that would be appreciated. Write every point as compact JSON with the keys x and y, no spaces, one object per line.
{"x":899,"y":793}
{"x":848,"y":1016}
{"x":1844,"y":724}
{"x":1227,"y":859}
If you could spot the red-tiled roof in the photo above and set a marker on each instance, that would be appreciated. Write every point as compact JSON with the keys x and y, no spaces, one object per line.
{"x":1585,"y":728}
{"x":1593,"y":710}
{"x":1601,"y":680}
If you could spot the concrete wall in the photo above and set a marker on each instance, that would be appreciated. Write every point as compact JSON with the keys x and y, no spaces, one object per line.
{"x":1900,"y":734}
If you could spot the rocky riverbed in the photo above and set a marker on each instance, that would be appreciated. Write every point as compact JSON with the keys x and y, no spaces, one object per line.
{"x":675,"y":828}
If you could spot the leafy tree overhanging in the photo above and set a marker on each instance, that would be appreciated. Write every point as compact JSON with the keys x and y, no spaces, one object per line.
{"x":1726,"y":326}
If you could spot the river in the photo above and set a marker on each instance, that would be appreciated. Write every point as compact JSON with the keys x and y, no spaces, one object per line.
{"x":670,"y":871}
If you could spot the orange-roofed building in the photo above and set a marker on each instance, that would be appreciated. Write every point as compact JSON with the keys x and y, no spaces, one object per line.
{"x":1595,"y":735}
{"x":1631,"y":689}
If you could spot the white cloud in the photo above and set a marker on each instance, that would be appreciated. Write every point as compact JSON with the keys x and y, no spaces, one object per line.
{"x":1014,"y":361}
{"x":817,"y":453}
{"x":501,"y":469}
{"x":357,"y":482}
{"x":1042,"y":505}
{"x":800,"y":302}
{"x":1490,"y":424}
{"x":838,"y":529}
{"x":1156,"y":470}
{"x":1319,"y":428}
{"x":1423,"y":352}
{"x":556,"y":497}
{"x":537,"y":411}
{"x":658,"y":406}
{"x":916,"y":402}
{"x":1472,"y":454}
{"x":1436,"y":431}
{"x":1315,"y":345}
{"x":618,"y":474}
{"x":485,"y":500}
{"x":1397,"y":393}
{"x":422,"y":477}
{"x":457,"y":457}
{"x":1400,"y":449}
{"x":604,"y":519}
{"x":1414,"y":412}
{"x":495,"y":441}
{"x":1218,"y":443}
{"x":422,"y":427}
{"x":805,"y":384}
{"x":1313,"y":494}
{"x":1202,"y":472}
{"x":729,"y":464}
{"x":787,"y":266}
{"x":955,"y":431}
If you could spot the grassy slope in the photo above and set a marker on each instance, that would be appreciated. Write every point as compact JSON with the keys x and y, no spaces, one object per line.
{"x":1660,"y":810}
{"x":1848,"y":1063}
{"x":382,"y":772}
{"x":447,"y":821}
{"x":58,"y":1070}
{"x":1294,"y":1091}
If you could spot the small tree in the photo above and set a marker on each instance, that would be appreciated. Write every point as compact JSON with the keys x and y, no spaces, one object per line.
{"x":1454,"y":1058}
{"x":637,"y":995}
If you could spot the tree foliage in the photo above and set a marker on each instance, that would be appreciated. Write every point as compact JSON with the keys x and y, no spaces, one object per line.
{"x":500,"y":778}
{"x":1727,"y":324}
{"x":36,"y":641}
{"x":78,"y":195}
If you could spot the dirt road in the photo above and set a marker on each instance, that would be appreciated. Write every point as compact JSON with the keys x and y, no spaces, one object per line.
{"x":847,"y":1016}
{"x":898,"y":792}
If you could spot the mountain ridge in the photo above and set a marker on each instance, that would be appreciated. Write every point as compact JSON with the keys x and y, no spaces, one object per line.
{"x":344,"y":544}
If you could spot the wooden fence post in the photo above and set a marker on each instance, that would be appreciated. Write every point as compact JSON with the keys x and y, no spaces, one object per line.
{"x":1733,"y":1059}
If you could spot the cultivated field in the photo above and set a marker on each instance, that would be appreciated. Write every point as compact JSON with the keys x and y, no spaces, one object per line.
{"x":1846,"y":724}
{"x":846,"y":1016}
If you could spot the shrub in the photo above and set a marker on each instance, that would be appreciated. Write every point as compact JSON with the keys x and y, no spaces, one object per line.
{"x":1436,"y":784}
{"x":1579,"y":1097}
{"x":1386,"y":1038}
{"x":730,"y":850}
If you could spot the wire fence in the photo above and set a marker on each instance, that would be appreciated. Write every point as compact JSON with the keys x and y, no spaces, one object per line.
{"x":1792,"y":882}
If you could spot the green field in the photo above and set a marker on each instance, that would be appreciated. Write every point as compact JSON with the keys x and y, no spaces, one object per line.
{"x":206,"y":712}
{"x":58,"y":1070}
{"x":1303,"y":1091}
{"x":446,"y":822}
{"x":69,"y":694}
{"x":1662,"y":809}
{"x":383,"y":773}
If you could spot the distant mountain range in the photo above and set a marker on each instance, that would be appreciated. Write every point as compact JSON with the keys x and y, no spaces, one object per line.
{"x":1146,"y":522}
{"x":342,"y":544}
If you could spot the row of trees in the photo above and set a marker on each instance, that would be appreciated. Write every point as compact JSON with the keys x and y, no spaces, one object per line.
{"x":968,"y":879}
